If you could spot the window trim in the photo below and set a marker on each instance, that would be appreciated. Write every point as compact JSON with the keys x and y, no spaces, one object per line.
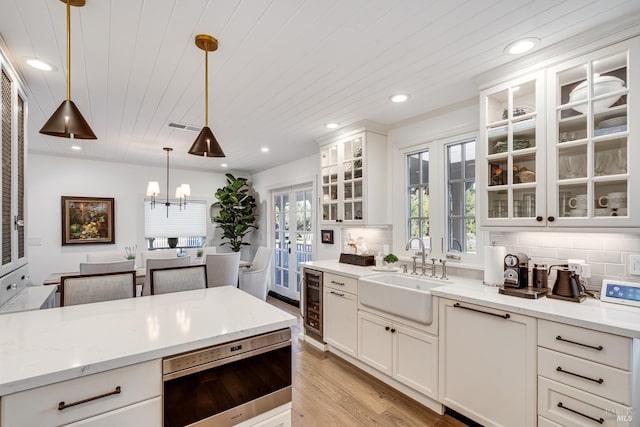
{"x":438,"y":219}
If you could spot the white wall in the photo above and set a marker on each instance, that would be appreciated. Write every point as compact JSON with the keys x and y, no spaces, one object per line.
{"x":50,"y":177}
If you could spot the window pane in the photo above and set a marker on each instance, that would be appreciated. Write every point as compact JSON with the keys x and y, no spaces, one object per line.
{"x":470,"y":199}
{"x":462,"y":197}
{"x":425,"y":228}
{"x":413,"y":162}
{"x":414,"y":202}
{"x":414,"y":228}
{"x":455,"y":165}
{"x":425,"y":202}
{"x":425,"y":167}
{"x":456,"y":199}
{"x":470,"y":160}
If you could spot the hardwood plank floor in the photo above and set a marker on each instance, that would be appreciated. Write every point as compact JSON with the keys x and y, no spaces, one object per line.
{"x":327,"y":391}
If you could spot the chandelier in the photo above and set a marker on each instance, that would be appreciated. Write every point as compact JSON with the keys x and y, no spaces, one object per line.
{"x":182,"y":191}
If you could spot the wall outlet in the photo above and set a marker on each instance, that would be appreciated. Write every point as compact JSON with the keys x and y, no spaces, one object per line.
{"x":634,"y":264}
{"x":575,"y":265}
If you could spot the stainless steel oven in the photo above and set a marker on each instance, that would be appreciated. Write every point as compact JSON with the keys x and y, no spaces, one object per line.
{"x":229,"y":383}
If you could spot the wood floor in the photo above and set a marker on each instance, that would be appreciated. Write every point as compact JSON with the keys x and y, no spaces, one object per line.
{"x":328,"y":391}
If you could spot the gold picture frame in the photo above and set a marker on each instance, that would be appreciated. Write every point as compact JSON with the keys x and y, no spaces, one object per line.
{"x":87,"y":220}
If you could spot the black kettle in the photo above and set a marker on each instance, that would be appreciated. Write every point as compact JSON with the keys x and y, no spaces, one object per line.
{"x":566,"y":284}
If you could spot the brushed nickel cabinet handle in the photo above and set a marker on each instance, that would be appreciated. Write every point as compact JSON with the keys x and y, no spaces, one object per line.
{"x":63,"y":405}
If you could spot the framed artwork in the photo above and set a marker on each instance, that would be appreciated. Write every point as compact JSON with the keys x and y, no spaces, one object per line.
{"x":87,"y":220}
{"x":327,"y":236}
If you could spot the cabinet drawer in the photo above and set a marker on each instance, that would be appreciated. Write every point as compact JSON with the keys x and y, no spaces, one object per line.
{"x":347,"y":284}
{"x":601,"y":347}
{"x":137,"y":383}
{"x":571,"y":407}
{"x":543,"y":422}
{"x":144,"y":414}
{"x":605,"y":381}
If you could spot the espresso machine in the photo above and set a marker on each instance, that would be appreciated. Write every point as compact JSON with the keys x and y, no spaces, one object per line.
{"x":516,"y":278}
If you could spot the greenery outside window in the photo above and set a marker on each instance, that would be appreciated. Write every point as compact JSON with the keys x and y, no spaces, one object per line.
{"x":461,"y":197}
{"x":418,"y":194}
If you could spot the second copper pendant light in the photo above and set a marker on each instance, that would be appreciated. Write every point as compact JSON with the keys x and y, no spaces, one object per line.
{"x":206,"y":144}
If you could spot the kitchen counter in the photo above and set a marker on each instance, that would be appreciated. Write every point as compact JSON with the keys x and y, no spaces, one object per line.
{"x":333,"y":266}
{"x":592,"y":314}
{"x":48,"y":346}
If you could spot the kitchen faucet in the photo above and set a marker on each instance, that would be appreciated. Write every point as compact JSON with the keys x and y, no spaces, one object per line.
{"x":422,"y":252}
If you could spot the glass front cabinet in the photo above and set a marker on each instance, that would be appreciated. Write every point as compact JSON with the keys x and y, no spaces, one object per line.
{"x":352,"y":185}
{"x":561,"y":156}
{"x":512,"y":174}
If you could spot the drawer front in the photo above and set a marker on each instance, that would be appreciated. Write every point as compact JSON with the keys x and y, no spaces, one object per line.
{"x":137,"y":383}
{"x":543,"y":422}
{"x":601,"y":347}
{"x":143,"y":414}
{"x":605,"y":381}
{"x":571,"y":407}
{"x":346,"y":284}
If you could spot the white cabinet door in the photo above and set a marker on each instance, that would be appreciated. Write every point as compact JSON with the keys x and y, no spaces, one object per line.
{"x":143,"y":414}
{"x":415,"y":359}
{"x":489,"y":364}
{"x":341,"y":320}
{"x":375,"y":342}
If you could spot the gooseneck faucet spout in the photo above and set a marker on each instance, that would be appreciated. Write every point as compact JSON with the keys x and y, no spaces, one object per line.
{"x":422,"y":252}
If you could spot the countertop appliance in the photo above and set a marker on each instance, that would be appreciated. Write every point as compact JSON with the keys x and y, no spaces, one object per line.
{"x":516,"y":278}
{"x":619,"y":292}
{"x":567,"y":286}
{"x":229,"y":383}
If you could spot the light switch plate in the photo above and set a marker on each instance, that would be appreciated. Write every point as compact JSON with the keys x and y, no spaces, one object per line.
{"x":634,"y":264}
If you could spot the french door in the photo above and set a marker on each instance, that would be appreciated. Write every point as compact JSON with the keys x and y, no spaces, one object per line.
{"x":293,"y":234}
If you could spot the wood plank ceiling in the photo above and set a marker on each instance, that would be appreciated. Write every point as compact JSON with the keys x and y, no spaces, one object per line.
{"x":284,"y":67}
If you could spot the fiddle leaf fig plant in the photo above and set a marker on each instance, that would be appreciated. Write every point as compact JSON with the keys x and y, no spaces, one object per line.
{"x":236,"y":211}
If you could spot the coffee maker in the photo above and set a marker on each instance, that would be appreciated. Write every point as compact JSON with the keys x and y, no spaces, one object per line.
{"x":516,"y":271}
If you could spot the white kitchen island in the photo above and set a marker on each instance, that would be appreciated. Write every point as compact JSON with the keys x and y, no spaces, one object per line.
{"x":64,"y":347}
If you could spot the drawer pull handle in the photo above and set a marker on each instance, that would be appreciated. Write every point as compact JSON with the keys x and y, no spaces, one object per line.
{"x":337,"y":283}
{"x":337,"y":293}
{"x":503,"y":316}
{"x":63,"y":405}
{"x":599,"y":380}
{"x":597,"y":420}
{"x":599,"y":348}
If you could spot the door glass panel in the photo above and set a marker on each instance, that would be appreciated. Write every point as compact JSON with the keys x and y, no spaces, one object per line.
{"x":524,"y":203}
{"x":357,"y":189}
{"x":498,"y":204}
{"x":524,"y":169}
{"x":498,"y":106}
{"x":610,"y":157}
{"x":524,"y":134}
{"x":348,"y":211}
{"x":572,"y":162}
{"x":573,"y":200}
{"x":524,"y":99}
{"x":611,"y":198}
{"x":357,"y":208}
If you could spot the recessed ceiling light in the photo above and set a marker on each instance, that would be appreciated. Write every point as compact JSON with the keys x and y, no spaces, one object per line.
{"x":76,"y":147}
{"x":332,"y":125}
{"x":39,"y":64}
{"x":264,"y":149}
{"x":399,"y":97}
{"x":521,"y":46}
{"x":224,"y":165}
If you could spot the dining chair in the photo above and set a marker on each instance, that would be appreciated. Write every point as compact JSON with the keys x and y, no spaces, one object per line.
{"x":89,"y":288}
{"x":156,"y":263}
{"x":110,"y":256}
{"x":255,"y":279}
{"x":176,"y":279}
{"x":157,"y":254}
{"x":106,"y":267}
{"x":222,"y":269}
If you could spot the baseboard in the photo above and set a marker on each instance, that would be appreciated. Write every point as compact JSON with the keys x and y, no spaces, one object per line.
{"x":458,"y":416}
{"x":282,"y":298}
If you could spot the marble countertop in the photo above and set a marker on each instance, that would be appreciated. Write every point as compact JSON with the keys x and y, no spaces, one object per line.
{"x":593,"y":314}
{"x":47,"y":346}
{"x":333,"y":266}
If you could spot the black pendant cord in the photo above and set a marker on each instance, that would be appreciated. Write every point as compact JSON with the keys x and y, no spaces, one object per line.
{"x":167,"y":202}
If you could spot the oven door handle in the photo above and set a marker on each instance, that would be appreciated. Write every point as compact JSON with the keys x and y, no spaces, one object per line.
{"x":224,"y":361}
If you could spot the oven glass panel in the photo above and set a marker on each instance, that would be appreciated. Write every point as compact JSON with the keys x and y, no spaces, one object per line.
{"x":200,"y":395}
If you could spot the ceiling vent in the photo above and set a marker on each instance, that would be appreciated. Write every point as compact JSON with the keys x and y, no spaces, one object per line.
{"x":184,"y":126}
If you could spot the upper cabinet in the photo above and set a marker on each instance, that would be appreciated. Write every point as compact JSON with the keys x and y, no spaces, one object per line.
{"x":559,"y":155}
{"x":353,"y":179}
{"x":13,"y":114}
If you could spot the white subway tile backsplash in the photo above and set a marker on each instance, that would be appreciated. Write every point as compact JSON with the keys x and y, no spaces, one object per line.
{"x":607,"y":253}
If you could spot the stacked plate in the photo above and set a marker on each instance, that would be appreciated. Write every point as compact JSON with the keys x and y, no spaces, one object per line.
{"x":612,"y":122}
{"x":519,"y":144}
{"x":500,"y":147}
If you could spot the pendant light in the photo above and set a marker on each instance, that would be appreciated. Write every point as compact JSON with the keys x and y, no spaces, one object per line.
{"x":67,"y":119}
{"x":206,"y":144}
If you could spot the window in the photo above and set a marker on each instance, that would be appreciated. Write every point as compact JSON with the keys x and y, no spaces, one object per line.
{"x":188,"y":225}
{"x":418,"y":194}
{"x":461,"y":197}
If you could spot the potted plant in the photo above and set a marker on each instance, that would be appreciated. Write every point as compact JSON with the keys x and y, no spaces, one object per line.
{"x":391,"y":260}
{"x":236,"y":211}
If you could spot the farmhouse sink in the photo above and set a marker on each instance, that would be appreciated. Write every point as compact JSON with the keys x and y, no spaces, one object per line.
{"x":399,"y":294}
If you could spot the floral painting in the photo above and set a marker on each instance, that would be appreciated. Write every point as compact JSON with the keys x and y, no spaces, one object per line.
{"x":87,"y":220}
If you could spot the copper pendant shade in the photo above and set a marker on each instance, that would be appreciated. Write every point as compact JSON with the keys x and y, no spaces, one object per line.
{"x":206,"y":143}
{"x":67,"y":119}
